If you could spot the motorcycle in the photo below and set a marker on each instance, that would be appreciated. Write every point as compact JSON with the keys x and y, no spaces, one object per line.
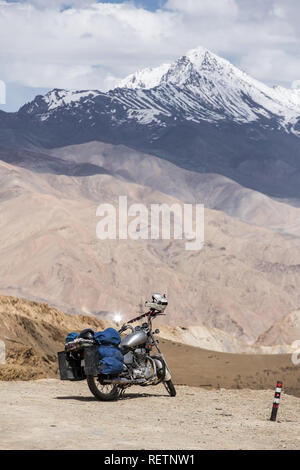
{"x":80,"y":360}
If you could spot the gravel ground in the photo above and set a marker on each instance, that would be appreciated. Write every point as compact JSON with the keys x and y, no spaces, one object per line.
{"x":50,"y":414}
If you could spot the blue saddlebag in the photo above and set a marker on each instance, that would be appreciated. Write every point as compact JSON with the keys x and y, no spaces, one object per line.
{"x":111,"y":358}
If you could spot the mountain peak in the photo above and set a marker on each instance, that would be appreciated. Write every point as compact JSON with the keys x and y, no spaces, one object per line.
{"x":145,"y":78}
{"x":178,"y":72}
{"x":199,"y":55}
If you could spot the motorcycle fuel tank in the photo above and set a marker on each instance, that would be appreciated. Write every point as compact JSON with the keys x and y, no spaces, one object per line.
{"x":134,"y":339}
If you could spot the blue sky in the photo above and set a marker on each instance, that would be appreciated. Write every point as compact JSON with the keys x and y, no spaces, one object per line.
{"x":92,"y":45}
{"x":151,"y":5}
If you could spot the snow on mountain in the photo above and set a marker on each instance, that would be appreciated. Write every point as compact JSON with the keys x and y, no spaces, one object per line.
{"x":199,"y":86}
{"x":291,"y":97}
{"x":59,"y":99}
{"x":205,"y":80}
{"x":146,"y":78}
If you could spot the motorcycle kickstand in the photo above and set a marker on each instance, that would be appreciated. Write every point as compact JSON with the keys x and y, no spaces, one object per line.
{"x":122,"y":392}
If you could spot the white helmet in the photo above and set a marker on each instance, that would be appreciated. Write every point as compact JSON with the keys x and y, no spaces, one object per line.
{"x":159,"y":302}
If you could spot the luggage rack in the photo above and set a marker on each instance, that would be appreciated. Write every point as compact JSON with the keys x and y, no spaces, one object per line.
{"x":78,"y":344}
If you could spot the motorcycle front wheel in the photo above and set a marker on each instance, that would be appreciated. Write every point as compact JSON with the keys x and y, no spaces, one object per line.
{"x":170,"y":388}
{"x":103,"y":392}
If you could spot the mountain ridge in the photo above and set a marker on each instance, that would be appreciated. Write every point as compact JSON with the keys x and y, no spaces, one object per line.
{"x":203,"y":115}
{"x":242,"y":281}
{"x":226,"y":92}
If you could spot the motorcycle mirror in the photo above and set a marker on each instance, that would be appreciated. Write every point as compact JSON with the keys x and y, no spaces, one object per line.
{"x":123,"y":328}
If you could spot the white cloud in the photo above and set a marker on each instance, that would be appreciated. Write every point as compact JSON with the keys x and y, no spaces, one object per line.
{"x":204,"y":8}
{"x":94,"y":45}
{"x":296,"y":85}
{"x":58,"y":4}
{"x":78,"y":47}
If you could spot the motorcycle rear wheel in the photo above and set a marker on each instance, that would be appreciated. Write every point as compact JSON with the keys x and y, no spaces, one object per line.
{"x":103,"y":392}
{"x":170,"y":388}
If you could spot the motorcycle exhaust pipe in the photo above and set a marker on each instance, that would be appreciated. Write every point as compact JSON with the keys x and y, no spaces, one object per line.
{"x":123,"y":381}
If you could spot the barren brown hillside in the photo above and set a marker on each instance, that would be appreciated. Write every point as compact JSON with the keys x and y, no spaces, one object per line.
{"x":285,"y":331}
{"x":33,"y":333}
{"x":242,"y":281}
{"x":213,"y":190}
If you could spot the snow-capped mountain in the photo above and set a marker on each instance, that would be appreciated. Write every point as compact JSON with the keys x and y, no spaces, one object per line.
{"x":199,"y":86}
{"x":200,"y":112}
{"x":205,"y":86}
{"x":218,"y":83}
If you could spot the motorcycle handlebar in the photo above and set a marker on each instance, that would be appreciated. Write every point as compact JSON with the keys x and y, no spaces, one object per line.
{"x":150,"y":314}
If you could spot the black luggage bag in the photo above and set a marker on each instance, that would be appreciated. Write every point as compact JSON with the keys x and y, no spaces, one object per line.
{"x":76,"y":365}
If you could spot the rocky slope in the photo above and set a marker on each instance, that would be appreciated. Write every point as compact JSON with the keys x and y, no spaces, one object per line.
{"x":212,"y":190}
{"x":285,"y":331}
{"x":33,"y":333}
{"x":242,"y":281}
{"x":214,"y":339}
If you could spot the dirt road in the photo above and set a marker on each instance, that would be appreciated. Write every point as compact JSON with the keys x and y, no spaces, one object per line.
{"x":50,"y":414}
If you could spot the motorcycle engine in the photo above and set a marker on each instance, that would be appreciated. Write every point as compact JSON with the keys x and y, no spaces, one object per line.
{"x":140,"y":367}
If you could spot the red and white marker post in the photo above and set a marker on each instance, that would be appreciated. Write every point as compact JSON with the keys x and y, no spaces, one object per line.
{"x":276,"y":401}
